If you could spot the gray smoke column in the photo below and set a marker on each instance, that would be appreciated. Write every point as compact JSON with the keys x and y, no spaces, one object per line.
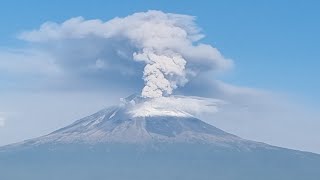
{"x":167,"y":44}
{"x":163,"y":73}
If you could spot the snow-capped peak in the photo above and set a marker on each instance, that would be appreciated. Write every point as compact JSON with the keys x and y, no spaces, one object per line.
{"x":141,"y":120}
{"x":179,"y":106}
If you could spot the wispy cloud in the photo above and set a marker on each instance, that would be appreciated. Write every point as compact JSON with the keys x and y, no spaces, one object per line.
{"x":176,"y":106}
{"x":2,"y":119}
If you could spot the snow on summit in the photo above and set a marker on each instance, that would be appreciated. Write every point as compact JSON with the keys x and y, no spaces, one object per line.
{"x":179,"y":106}
{"x":140,"y":120}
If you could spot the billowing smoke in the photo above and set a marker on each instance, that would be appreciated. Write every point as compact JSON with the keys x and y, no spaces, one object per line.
{"x":167,"y":44}
{"x":163,"y":73}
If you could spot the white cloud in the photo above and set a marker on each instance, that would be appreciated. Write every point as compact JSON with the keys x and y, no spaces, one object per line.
{"x":27,"y":62}
{"x":183,"y":106}
{"x":168,"y":45}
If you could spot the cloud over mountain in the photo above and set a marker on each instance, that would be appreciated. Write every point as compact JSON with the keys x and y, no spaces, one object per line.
{"x":161,"y":48}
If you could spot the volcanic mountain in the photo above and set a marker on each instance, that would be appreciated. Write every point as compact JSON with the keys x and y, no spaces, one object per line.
{"x":140,"y":140}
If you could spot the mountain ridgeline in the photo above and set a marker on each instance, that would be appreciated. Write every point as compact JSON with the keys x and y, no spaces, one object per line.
{"x":116,"y":143}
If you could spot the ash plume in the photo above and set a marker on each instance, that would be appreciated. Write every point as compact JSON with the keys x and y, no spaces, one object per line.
{"x":163,"y":72}
{"x":166,"y":44}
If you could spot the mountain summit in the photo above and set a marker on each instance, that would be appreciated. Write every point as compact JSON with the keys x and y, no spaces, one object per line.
{"x":158,"y":138}
{"x":141,"y":120}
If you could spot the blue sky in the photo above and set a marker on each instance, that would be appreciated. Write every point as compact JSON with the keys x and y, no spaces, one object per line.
{"x":273,"y":44}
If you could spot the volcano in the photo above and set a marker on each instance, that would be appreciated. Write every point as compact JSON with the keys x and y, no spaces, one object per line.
{"x":138,"y":140}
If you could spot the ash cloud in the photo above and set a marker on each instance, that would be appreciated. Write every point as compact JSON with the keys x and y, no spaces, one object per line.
{"x":163,"y":73}
{"x":162,"y":48}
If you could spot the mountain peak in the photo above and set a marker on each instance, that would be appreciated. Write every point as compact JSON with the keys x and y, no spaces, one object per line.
{"x":116,"y":139}
{"x":144,"y":120}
